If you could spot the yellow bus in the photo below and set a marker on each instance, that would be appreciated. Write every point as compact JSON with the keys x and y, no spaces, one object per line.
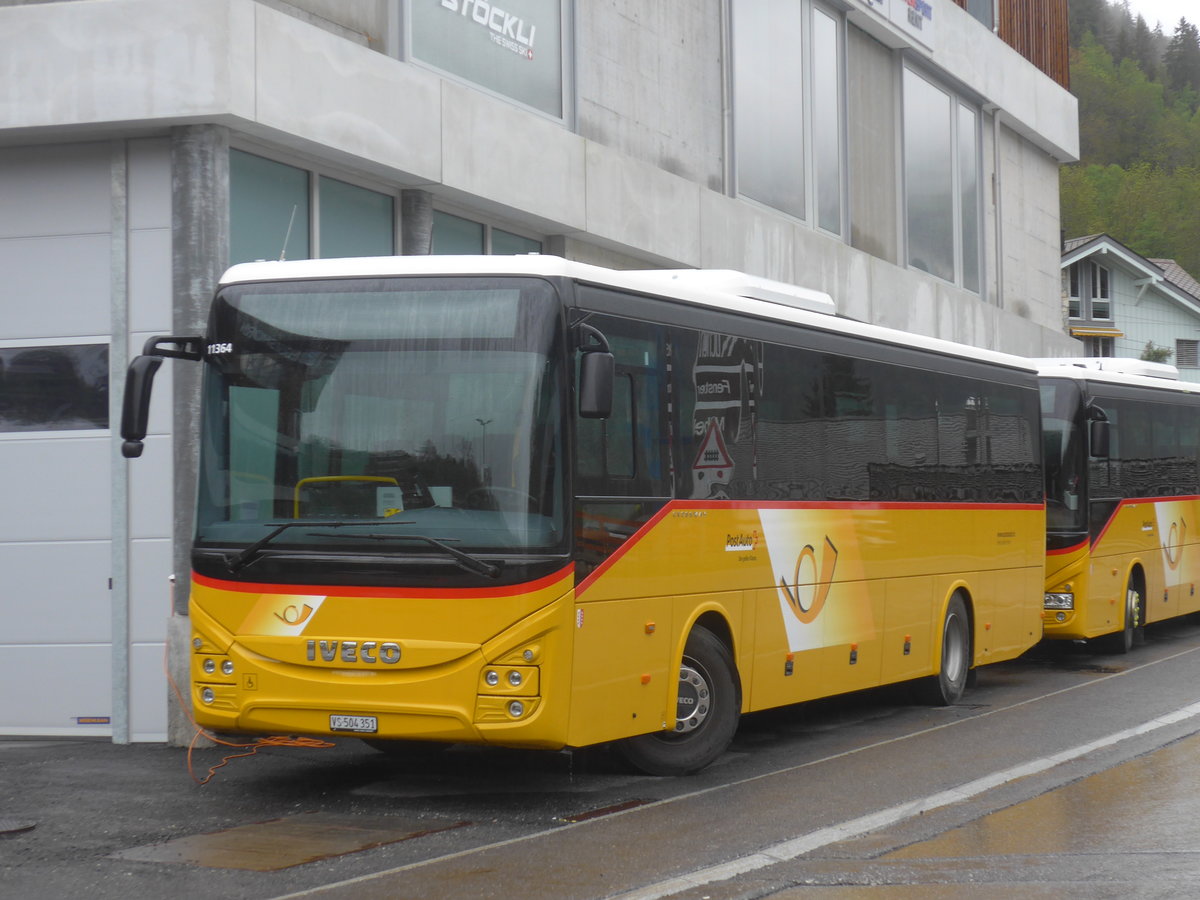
{"x":1122,"y":484}
{"x":530,"y":502}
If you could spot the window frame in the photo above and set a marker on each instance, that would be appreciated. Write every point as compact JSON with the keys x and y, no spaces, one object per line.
{"x":74,"y":341}
{"x":958,"y":102}
{"x":404,"y":52}
{"x":1084,"y":279}
{"x":489,"y":226}
{"x":808,"y":157}
{"x":315,"y":172}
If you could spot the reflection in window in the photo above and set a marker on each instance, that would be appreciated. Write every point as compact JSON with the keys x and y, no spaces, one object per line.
{"x":826,"y":125}
{"x":942,"y":192}
{"x":57,"y":388}
{"x":768,"y":103}
{"x":928,"y":173}
{"x":968,"y":195}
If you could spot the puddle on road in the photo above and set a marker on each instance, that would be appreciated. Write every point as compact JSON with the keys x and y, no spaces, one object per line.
{"x":281,"y":843}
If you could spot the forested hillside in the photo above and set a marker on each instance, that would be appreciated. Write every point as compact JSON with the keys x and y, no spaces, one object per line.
{"x":1139,"y":94}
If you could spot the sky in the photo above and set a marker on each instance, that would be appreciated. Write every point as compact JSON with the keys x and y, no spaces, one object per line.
{"x":1166,"y":12}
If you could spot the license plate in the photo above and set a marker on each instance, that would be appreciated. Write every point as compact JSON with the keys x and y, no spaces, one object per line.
{"x":360,"y":724}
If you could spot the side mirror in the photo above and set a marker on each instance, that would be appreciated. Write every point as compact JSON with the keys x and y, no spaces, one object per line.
{"x":135,"y":411}
{"x":1098,"y":438}
{"x":597,"y":370}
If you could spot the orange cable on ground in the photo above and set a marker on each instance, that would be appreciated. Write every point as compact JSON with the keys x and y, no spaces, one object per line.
{"x":277,"y":740}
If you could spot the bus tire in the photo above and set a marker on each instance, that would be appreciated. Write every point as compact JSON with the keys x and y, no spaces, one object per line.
{"x":706,"y":716}
{"x":954,"y":668}
{"x":1133,"y":627}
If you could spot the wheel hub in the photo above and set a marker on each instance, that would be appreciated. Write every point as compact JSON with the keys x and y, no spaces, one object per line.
{"x":693,"y":705}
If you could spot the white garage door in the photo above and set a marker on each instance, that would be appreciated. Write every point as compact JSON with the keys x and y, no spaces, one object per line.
{"x":56,"y":523}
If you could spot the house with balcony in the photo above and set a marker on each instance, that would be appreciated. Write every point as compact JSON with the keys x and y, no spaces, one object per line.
{"x":1119,"y":303}
{"x":901,"y":156}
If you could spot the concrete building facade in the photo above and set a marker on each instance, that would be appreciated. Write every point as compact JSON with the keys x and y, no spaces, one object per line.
{"x":903,"y":158}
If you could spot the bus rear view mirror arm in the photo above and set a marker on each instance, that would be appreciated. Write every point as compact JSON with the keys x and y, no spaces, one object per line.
{"x":135,"y":411}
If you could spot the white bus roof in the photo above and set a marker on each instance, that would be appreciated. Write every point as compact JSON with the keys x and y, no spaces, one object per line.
{"x":717,"y":288}
{"x":1112,"y":370}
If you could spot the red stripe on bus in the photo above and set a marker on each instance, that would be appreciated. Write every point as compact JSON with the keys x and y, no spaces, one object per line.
{"x":1073,"y":549}
{"x":325,"y":590}
{"x":675,"y":505}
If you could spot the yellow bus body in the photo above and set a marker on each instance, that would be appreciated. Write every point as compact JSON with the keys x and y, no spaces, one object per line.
{"x":816,"y":599}
{"x":1149,"y":539}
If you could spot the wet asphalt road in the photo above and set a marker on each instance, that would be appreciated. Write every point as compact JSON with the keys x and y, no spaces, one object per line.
{"x":1064,"y":773}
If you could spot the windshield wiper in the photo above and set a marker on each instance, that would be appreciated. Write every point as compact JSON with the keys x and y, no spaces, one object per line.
{"x":465,"y":560}
{"x":250,"y":553}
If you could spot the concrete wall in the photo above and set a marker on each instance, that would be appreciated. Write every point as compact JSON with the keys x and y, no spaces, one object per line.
{"x":649,"y":83}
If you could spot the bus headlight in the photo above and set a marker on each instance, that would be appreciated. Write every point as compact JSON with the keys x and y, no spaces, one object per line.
{"x":516,"y":709}
{"x":1059,"y":600}
{"x":207,"y":695}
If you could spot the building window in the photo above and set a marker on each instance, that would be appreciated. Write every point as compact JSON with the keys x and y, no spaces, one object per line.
{"x":788,"y":105}
{"x":60,"y":387}
{"x":458,"y":236}
{"x":1101,"y":296}
{"x":268,"y":209}
{"x":279,"y":211}
{"x":1187,"y":354}
{"x":355,"y":221}
{"x":941,"y":175}
{"x":1089,"y":291}
{"x":515,"y":50}
{"x":1074,"y":305}
{"x":980,"y":10}
{"x":1098,"y":346}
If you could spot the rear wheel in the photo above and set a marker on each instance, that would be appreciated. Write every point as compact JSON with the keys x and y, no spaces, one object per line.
{"x":950,"y":683}
{"x":706,"y":715}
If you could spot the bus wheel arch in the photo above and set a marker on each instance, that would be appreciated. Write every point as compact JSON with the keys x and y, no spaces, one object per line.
{"x":955,"y":650}
{"x":707,"y":709}
{"x":1133,"y":615}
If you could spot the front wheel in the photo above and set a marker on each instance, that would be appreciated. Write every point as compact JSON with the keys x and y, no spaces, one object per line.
{"x":1134,"y":627}
{"x":950,"y":683}
{"x":706,"y":714}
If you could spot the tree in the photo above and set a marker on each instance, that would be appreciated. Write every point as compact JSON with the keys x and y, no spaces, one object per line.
{"x":1155,"y":353}
{"x":1181,"y":61}
{"x":1145,"y":53}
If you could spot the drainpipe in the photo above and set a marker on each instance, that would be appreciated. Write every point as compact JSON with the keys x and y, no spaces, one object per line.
{"x":998,"y":198}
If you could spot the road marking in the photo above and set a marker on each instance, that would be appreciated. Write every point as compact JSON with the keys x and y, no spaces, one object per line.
{"x":761,"y":859}
{"x":853,"y":828}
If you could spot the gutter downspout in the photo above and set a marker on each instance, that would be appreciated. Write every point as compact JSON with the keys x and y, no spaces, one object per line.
{"x":998,"y":202}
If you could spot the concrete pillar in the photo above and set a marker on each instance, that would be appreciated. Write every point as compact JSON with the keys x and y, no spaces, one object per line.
{"x":416,"y":223}
{"x":199,"y":254}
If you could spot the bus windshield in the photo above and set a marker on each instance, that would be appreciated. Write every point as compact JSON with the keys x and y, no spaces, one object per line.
{"x":1063,"y":446}
{"x":397,"y":417}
